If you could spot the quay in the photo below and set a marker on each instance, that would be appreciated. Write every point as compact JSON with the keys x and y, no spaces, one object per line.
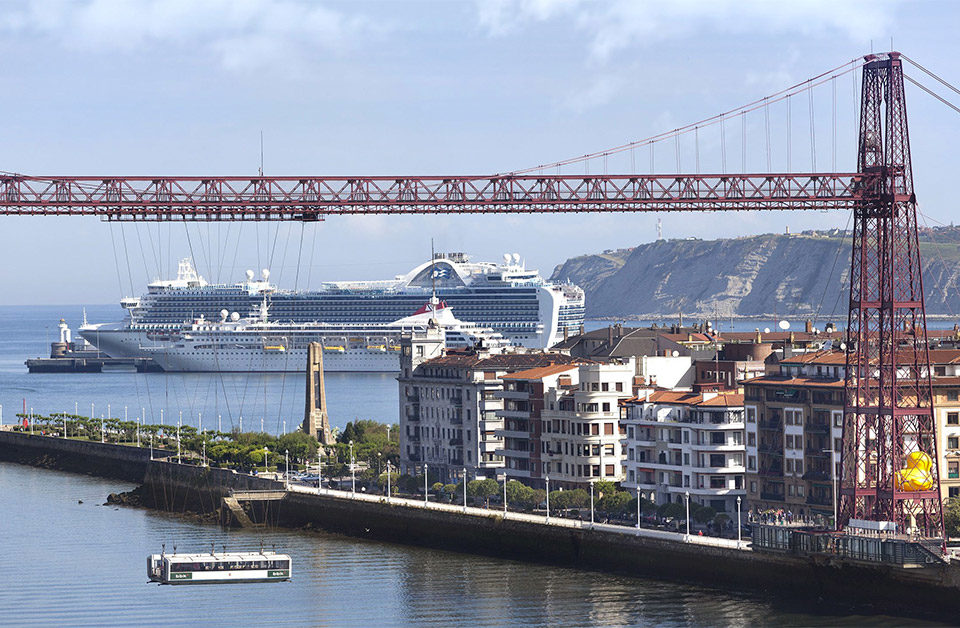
{"x":91,"y":365}
{"x":929,"y":590}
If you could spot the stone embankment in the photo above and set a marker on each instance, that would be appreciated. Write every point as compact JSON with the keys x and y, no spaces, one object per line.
{"x":932,"y":591}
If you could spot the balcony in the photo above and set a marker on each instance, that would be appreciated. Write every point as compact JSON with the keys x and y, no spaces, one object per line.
{"x":770,"y":496}
{"x":456,"y":441}
{"x":816,"y":476}
{"x":414,"y":457}
{"x":817,"y":427}
{"x":772,"y":471}
{"x":819,"y":500}
{"x":771,"y":424}
{"x":768,"y":448}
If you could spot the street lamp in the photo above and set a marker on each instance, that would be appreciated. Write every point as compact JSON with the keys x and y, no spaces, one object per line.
{"x":504,"y":493}
{"x":388,"y":480}
{"x":286,"y":476}
{"x":592,"y":482}
{"x":103,"y":432}
{"x":739,"y":531}
{"x":464,"y":489}
{"x":833,"y":478}
{"x":353,"y":475}
{"x":426,"y":494}
{"x":686,"y":498}
{"x":548,"y":497}
{"x":266,"y":452}
{"x":638,"y":507}
{"x":179,"y":423}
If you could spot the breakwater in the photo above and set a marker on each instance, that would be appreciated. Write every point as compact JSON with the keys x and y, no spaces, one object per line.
{"x":932,"y":591}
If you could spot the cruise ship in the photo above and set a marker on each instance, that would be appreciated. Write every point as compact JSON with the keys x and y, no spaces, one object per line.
{"x":233,"y":344}
{"x":509,"y":299}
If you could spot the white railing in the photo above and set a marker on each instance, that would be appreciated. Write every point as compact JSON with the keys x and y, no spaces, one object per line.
{"x":492,"y":513}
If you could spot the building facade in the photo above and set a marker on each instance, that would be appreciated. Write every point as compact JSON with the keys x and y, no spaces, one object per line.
{"x":678,"y":443}
{"x":448,"y":408}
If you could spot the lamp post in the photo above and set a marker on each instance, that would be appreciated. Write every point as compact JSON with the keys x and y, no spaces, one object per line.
{"x":179,"y":423}
{"x":286,"y":473}
{"x":389,"y":494}
{"x":504,"y":493}
{"x":833,"y":478}
{"x":30,"y":421}
{"x":548,"y":497}
{"x":284,"y":426}
{"x":739,"y":532}
{"x":261,"y":425}
{"x":103,"y":428}
{"x":464,"y":489}
{"x":592,"y":482}
{"x":65,"y":428}
{"x":204,"y":454}
{"x":686,"y":498}
{"x":138,"y":430}
{"x":219,"y":426}
{"x":426,"y":493}
{"x":266,"y":452}
{"x":353,"y":475}
{"x":379,"y":458}
{"x":638,"y":507}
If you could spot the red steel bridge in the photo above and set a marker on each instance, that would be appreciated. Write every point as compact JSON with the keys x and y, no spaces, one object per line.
{"x":888,"y":411}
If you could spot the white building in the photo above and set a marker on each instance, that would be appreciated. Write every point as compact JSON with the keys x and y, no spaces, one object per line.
{"x":680,"y":442}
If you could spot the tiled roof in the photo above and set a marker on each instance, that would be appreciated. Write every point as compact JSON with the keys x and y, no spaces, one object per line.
{"x":779,"y":380}
{"x":541,"y":372}
{"x":680,"y":397}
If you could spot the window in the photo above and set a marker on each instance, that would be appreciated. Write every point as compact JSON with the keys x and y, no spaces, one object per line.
{"x":800,"y":490}
{"x":605,"y":387}
{"x":798,"y":467}
{"x":594,"y":429}
{"x":751,"y":413}
{"x":953,"y":418}
{"x":717,"y":438}
{"x":953,"y":442}
{"x":619,"y":386}
{"x":954,"y":492}
{"x":718,"y":460}
{"x":608,"y":427}
{"x":789,"y":465}
{"x":953,"y":470}
{"x":751,"y":463}
{"x":789,"y":439}
{"x":606,"y":405}
{"x":952,"y":395}
{"x":939,"y":371}
{"x":751,"y":439}
{"x":609,"y":470}
{"x":753,"y":487}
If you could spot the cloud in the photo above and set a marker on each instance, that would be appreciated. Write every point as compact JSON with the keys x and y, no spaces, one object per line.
{"x":237,"y":34}
{"x":620,"y":24}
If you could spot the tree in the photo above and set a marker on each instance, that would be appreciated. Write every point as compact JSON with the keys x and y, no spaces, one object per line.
{"x":672,"y":510}
{"x":702,"y":514}
{"x":602,"y":488}
{"x":450,"y":490}
{"x":520,"y":495}
{"x":951,"y":517}
{"x":483,"y":489}
{"x":616,"y":503}
{"x":301,"y":446}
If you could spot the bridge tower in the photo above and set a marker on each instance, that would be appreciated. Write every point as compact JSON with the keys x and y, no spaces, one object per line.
{"x":889,"y":461}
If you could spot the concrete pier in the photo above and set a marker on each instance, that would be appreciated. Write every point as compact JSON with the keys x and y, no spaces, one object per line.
{"x":930,"y":591}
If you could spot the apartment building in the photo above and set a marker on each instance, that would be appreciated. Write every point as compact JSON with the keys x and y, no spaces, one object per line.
{"x":794,"y":427}
{"x":581,"y":432}
{"x":562,"y":422}
{"x":679,"y":442}
{"x":449,"y":404}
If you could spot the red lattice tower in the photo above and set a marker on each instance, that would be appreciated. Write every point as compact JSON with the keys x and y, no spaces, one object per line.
{"x":888,"y":413}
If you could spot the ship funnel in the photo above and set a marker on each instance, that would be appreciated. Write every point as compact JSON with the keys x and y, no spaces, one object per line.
{"x":249,"y":275}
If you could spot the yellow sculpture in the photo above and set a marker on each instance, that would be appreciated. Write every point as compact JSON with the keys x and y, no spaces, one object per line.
{"x":917,"y":476}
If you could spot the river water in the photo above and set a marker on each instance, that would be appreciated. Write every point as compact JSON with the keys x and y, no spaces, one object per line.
{"x":63,"y":562}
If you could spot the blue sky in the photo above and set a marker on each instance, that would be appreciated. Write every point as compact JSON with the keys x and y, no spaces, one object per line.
{"x":184,"y":87}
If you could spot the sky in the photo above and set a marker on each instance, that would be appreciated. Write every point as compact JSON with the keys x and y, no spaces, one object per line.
{"x":179,"y":87}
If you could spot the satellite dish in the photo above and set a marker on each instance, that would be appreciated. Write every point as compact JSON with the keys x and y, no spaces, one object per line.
{"x":784,"y":325}
{"x":224,"y":314}
{"x":506,"y":258}
{"x":266,"y":273}
{"x":676,"y":353}
{"x":235,"y":317}
{"x":843,"y":346}
{"x":766,"y":330}
{"x":516,"y":259}
{"x":249,"y":275}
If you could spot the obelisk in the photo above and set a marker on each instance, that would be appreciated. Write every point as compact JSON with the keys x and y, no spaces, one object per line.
{"x":315,"y":419}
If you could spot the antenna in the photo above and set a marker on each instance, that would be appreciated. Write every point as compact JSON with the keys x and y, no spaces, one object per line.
{"x":433,"y":278}
{"x":261,"y":152}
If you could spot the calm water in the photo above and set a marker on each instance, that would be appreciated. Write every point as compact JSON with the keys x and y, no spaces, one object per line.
{"x":66,"y":563}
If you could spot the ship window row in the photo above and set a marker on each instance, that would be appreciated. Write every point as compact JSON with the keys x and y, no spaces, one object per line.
{"x":230,"y":566}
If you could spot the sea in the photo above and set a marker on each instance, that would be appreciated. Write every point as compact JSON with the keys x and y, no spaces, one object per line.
{"x":68,"y":559}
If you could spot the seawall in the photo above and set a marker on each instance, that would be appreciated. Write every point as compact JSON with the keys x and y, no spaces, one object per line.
{"x":932,"y":591}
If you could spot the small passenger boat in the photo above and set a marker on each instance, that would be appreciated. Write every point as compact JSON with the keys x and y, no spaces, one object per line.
{"x":213,"y":568}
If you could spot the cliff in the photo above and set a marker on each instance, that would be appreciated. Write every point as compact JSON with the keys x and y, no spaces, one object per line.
{"x":765,"y":275}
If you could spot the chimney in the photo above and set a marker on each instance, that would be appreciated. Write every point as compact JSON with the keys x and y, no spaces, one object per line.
{"x":758,"y":339}
{"x":808,"y":327}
